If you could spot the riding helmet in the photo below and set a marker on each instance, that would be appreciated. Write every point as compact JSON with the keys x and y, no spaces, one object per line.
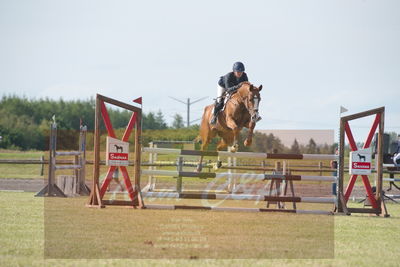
{"x":238,"y":66}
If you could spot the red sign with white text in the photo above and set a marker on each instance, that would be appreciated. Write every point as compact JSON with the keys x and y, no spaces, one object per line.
{"x":360,"y":161}
{"x":118,"y":156}
{"x":361,"y":165}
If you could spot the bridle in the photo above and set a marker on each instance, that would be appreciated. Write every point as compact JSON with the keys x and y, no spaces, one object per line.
{"x":245,"y":100}
{"x":254,"y":111}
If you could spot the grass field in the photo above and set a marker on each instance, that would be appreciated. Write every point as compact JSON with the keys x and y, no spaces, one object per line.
{"x":63,"y":232}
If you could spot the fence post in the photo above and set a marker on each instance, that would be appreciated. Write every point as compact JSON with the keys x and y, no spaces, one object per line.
{"x":179,"y":179}
{"x":42,"y":168}
{"x":82,"y":188}
{"x":320,"y":164}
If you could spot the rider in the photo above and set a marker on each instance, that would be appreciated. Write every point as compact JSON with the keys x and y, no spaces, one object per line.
{"x":228,"y":83}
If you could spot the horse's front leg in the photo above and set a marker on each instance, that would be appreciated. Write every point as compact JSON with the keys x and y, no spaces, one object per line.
{"x":249,"y":138}
{"x":235,"y":129}
{"x":199,"y":166}
{"x":204,"y":146}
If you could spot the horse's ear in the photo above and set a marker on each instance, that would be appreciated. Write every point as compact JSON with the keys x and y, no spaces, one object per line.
{"x":260,"y":88}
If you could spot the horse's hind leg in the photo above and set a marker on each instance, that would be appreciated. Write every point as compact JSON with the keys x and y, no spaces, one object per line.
{"x":222,"y":145}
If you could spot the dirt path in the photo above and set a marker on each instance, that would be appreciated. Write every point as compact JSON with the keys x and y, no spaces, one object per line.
{"x":27,"y":185}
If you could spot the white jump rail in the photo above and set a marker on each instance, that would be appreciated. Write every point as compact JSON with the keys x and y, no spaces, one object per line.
{"x":240,"y":154}
{"x":240,"y":175}
{"x":237,"y":197}
{"x":176,"y":207}
{"x":391,"y":179}
{"x":388,"y":165}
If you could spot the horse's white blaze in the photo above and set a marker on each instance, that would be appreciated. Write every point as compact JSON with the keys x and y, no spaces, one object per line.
{"x":256,"y":103}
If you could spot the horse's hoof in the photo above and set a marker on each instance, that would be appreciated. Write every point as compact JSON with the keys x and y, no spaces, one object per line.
{"x":247,"y":142}
{"x":219,"y":164}
{"x":234,"y":148}
{"x":198,"y":168}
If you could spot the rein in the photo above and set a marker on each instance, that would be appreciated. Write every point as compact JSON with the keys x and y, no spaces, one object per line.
{"x":238,"y":99}
{"x":235,"y":101}
{"x":242,"y":99}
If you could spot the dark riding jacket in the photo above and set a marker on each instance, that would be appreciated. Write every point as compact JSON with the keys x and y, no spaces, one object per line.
{"x":230,"y":82}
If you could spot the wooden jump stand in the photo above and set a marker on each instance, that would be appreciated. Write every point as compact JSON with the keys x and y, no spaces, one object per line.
{"x":375,"y":199}
{"x":97,"y":194}
{"x":80,"y":187}
{"x":279,"y":187}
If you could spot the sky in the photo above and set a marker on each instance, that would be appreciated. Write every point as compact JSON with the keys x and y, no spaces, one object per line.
{"x":311,"y":56}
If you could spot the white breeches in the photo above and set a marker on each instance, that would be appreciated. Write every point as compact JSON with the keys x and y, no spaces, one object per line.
{"x":220,"y":93}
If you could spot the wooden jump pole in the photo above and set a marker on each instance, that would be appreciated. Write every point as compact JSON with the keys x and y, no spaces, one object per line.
{"x":235,"y":209}
{"x":254,"y":176}
{"x":239,"y":197}
{"x":250,"y":155}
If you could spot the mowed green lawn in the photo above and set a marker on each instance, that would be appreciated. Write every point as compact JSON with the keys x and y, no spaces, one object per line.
{"x":63,"y":232}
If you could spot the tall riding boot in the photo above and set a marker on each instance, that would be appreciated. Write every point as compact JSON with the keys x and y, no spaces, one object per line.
{"x":217,"y":107}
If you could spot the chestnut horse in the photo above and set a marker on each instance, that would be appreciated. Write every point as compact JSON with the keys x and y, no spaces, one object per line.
{"x":241,"y":110}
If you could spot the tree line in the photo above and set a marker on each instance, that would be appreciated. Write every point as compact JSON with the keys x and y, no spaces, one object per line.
{"x":25,"y":125}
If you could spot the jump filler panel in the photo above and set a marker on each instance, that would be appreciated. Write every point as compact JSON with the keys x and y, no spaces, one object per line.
{"x":117,"y":152}
{"x":360,"y":161}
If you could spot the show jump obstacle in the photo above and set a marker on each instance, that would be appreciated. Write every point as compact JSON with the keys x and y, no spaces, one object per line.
{"x":135,"y":193}
{"x":120,"y":159}
{"x":78,"y":184}
{"x":277,"y":197}
{"x":362,"y":167}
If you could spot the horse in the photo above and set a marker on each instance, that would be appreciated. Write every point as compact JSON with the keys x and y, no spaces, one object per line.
{"x":241,"y":110}
{"x":117,"y":147}
{"x":361,"y":157}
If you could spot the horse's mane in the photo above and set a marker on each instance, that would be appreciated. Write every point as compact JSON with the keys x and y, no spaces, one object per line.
{"x":246,"y":86}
